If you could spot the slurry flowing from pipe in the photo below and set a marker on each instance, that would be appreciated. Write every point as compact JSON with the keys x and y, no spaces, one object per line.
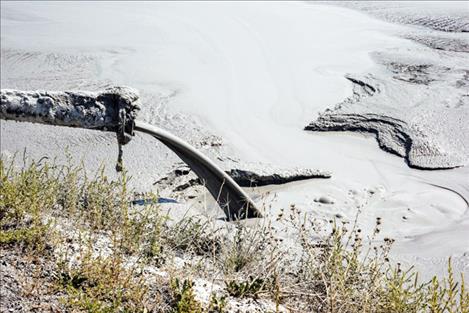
{"x":231,"y":198}
{"x":103,"y":111}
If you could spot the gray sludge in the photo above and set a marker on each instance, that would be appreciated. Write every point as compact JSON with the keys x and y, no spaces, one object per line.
{"x":416,"y":98}
{"x":417,"y":108}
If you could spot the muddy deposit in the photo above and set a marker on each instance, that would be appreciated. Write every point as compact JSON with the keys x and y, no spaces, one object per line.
{"x":415,"y":101}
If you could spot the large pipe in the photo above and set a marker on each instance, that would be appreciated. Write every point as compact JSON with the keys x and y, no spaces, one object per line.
{"x":115,"y":109}
{"x":231,"y":198}
{"x":92,"y":110}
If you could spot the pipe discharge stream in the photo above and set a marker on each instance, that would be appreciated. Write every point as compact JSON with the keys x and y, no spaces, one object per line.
{"x":115,"y":109}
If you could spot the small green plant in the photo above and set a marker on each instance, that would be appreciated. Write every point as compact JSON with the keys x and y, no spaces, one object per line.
{"x":184,"y":299}
{"x":102,"y":285}
{"x":445,"y":296}
{"x":27,"y":196}
{"x":195,"y":235}
{"x":250,"y":247}
{"x":217,"y":303}
{"x":251,"y":287}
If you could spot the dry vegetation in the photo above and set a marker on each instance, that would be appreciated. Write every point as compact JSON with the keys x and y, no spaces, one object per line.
{"x":75,"y":243}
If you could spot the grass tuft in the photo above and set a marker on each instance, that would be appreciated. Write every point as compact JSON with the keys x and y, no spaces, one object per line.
{"x":184,"y":298}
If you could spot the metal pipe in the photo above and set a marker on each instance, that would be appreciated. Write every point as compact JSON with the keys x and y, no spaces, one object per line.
{"x":232,"y":199}
{"x":92,"y":110}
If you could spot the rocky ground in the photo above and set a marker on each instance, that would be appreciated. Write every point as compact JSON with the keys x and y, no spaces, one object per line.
{"x":27,"y":282}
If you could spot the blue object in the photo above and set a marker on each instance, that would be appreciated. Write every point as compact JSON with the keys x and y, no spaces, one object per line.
{"x":152,"y":201}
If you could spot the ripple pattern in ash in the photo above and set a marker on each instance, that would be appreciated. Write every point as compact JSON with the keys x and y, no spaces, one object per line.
{"x":447,"y":16}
